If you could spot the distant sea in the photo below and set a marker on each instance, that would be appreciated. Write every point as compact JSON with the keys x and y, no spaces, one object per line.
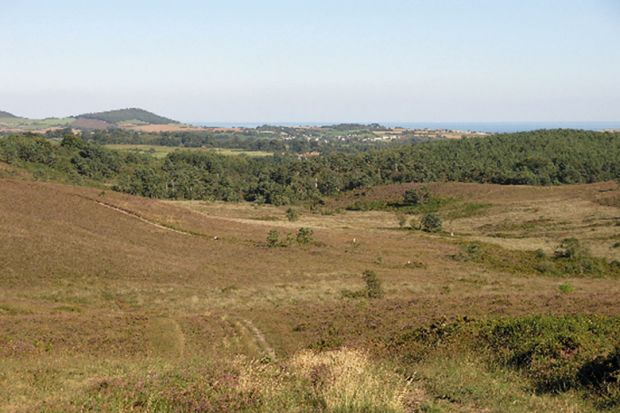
{"x":496,"y":127}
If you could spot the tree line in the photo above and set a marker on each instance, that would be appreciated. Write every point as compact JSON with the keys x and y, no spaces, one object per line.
{"x":545,"y":157}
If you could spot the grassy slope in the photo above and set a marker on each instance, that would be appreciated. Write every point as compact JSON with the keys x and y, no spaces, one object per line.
{"x":107,"y":297}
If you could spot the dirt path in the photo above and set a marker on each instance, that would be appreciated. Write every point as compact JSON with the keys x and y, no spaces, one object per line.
{"x":260,"y":339}
{"x":136,"y":216}
{"x":248,"y":338}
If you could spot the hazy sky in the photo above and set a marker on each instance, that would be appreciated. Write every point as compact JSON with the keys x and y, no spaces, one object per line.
{"x":315,"y":60}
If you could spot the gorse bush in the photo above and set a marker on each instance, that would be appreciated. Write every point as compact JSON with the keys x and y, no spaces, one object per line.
{"x":292,"y":214}
{"x":566,"y":288}
{"x":374,"y":288}
{"x":430,"y":223}
{"x":273,"y":239}
{"x":414,"y":197}
{"x":571,"y":248}
{"x":304,"y":236}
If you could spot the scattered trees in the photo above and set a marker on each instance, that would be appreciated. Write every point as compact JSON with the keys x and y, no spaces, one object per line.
{"x":303,"y":237}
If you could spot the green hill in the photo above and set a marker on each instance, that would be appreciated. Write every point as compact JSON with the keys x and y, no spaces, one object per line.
{"x":127,"y":115}
{"x":6,"y":115}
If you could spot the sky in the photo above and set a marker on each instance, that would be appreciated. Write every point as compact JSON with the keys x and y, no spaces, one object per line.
{"x":314,"y":60}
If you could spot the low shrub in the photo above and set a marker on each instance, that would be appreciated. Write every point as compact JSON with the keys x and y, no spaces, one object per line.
{"x":373,"y":285}
{"x":273,"y":239}
{"x":431,"y":223}
{"x":566,"y":288}
{"x":570,"y":259}
{"x":373,"y":289}
{"x":304,"y":236}
{"x":292,"y":214}
{"x":416,"y":196}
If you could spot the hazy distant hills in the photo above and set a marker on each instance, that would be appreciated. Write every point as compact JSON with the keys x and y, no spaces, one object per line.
{"x":132,"y":115}
{"x":7,"y":115}
{"x":120,"y":118}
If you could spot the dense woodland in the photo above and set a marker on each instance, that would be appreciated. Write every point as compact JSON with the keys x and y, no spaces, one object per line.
{"x":536,"y":158}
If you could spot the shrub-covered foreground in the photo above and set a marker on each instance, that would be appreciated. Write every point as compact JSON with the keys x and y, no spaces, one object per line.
{"x":343,"y":381}
{"x":556,"y":354}
{"x":518,"y":365}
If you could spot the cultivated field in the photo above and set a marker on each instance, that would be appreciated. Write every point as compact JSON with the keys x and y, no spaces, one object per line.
{"x":110,"y":302}
{"x":162,"y":151}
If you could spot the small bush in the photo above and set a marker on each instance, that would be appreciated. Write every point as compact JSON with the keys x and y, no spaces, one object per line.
{"x":273,"y":239}
{"x":304,"y":236}
{"x":414,"y":197}
{"x":431,"y":223}
{"x":373,"y":285}
{"x":571,"y":248}
{"x":292,"y":214}
{"x":402,"y":220}
{"x":566,"y":288}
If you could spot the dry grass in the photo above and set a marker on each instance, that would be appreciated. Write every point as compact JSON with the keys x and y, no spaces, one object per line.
{"x":347,"y":381}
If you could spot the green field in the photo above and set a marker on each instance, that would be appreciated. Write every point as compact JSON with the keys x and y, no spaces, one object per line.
{"x":161,"y":151}
{"x":34,"y":124}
